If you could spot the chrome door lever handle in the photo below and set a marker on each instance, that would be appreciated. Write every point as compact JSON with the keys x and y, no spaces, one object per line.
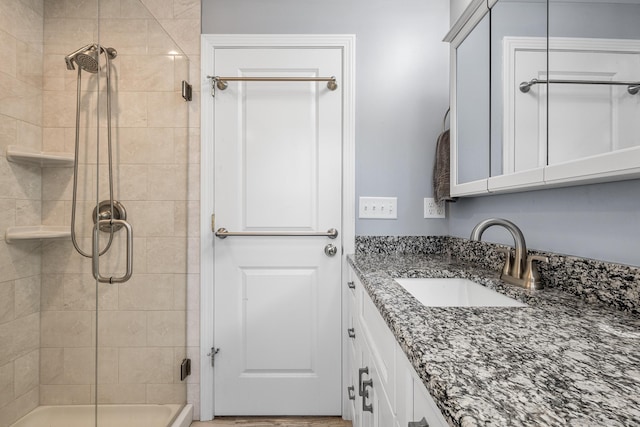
{"x":330,"y":250}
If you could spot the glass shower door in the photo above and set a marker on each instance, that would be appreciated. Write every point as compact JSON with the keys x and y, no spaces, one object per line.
{"x":113,"y":349}
{"x":141,"y":324}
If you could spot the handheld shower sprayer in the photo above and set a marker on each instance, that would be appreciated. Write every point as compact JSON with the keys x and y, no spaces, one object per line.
{"x":109,"y":215}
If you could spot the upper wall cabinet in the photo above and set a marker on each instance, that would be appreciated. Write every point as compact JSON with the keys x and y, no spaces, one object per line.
{"x":544,"y":93}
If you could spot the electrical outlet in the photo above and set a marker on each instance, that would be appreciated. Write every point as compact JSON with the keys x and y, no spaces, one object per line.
{"x":378,"y":207}
{"x":433,"y":209}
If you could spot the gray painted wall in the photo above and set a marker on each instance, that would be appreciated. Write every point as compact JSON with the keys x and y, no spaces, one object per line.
{"x":600,"y":221}
{"x":402,"y":88}
{"x":595,"y":221}
{"x":472,"y":104}
{"x":397,"y":125}
{"x":457,"y":7}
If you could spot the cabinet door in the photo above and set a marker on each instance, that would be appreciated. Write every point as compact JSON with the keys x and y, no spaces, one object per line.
{"x":356,"y":362}
{"x":425,"y":407}
{"x":374,"y":403}
{"x":383,"y":415}
{"x":382,"y":345}
{"x":354,"y":405}
{"x":354,"y":351}
{"x":404,"y":390}
{"x":366,"y":397}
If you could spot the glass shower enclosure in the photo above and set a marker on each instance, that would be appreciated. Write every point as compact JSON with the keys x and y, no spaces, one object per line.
{"x":105,"y":77}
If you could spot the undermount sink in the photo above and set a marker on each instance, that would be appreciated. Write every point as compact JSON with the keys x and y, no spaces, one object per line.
{"x":455,"y":293}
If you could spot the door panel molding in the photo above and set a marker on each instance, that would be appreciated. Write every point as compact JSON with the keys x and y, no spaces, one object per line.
{"x":210,"y":42}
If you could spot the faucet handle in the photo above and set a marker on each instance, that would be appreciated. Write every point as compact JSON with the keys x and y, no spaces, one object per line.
{"x":506,"y":270}
{"x":531,"y":275}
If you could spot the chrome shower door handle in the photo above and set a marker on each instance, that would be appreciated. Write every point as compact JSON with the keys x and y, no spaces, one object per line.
{"x":95,"y":255}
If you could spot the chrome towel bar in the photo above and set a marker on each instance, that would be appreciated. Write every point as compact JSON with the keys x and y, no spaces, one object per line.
{"x":223,"y":233}
{"x":221,"y":82}
{"x":633,"y":87}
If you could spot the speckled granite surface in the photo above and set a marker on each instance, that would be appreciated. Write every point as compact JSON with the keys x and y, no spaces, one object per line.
{"x":559,"y":362}
{"x":592,"y":280}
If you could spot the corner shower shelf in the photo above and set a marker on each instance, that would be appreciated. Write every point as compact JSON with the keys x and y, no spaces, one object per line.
{"x":41,"y":158}
{"x":37,"y":232}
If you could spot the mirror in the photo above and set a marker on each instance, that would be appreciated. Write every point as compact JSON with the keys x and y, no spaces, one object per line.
{"x":472,"y":104}
{"x":518,"y":52}
{"x":596,"y":42}
{"x":580,"y":127}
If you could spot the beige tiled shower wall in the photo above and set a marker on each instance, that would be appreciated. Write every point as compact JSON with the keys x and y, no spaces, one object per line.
{"x":147,"y":325}
{"x":21,"y":125}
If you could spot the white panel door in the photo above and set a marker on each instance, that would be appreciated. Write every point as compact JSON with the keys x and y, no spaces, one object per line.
{"x":278,"y":299}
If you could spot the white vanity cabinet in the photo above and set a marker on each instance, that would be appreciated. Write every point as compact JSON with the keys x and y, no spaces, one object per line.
{"x":384,"y":389}
{"x":370,"y":404}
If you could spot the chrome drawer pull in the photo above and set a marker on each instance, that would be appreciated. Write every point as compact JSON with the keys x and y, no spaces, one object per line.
{"x":361,"y":372}
{"x":365,"y":407}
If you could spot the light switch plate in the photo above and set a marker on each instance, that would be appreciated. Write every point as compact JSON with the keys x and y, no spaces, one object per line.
{"x":378,"y":207}
{"x":433,"y":209}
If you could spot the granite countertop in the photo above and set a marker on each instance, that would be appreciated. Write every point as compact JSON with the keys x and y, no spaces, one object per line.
{"x":558,"y":362}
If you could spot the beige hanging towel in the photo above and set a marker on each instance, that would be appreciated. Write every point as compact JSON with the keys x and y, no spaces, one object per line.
{"x":441,"y":182}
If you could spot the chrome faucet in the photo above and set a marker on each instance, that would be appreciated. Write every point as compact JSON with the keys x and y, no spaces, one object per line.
{"x":521,"y":269}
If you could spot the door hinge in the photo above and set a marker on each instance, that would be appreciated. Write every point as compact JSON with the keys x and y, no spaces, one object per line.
{"x":185,"y":369}
{"x":186,"y":91}
{"x":212,"y":354}
{"x":213,"y":81}
{"x":213,"y":222}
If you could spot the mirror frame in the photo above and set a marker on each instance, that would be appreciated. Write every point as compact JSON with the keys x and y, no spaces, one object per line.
{"x":613,"y":166}
{"x":471,"y":17}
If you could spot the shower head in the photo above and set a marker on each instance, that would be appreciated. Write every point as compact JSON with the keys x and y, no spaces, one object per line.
{"x":88,"y":61}
{"x":87,"y":57}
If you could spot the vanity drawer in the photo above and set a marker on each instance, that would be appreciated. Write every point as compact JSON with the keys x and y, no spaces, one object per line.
{"x":381,"y":343}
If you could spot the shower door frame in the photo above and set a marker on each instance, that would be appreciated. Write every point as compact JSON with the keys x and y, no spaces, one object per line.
{"x":209,"y":42}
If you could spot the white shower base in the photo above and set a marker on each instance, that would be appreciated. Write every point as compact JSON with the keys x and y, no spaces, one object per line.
{"x":108,"y":416}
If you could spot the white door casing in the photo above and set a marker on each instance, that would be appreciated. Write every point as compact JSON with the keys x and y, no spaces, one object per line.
{"x":277,"y":290}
